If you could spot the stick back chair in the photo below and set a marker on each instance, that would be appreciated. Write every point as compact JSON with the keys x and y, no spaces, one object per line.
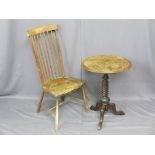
{"x":47,"y":53}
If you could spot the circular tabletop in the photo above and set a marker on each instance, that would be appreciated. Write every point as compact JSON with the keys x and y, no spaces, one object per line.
{"x":106,"y":64}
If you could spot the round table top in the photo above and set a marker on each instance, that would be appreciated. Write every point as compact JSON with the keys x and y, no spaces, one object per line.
{"x":106,"y":64}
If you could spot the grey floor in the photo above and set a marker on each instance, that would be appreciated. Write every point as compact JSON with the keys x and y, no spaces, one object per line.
{"x":18,"y":116}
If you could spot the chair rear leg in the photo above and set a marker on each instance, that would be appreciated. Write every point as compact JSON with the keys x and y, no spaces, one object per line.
{"x":63,"y":98}
{"x":56,"y":113}
{"x":85,"y":99}
{"x":40,"y":102}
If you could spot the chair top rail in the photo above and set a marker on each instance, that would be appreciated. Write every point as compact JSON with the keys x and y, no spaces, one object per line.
{"x":42,"y":29}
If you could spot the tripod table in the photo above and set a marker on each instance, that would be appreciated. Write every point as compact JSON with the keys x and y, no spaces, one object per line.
{"x":106,"y":64}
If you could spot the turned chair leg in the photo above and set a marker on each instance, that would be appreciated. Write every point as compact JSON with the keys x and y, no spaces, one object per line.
{"x":85,"y":99}
{"x":40,"y":102}
{"x":56,"y":113}
{"x":63,"y":98}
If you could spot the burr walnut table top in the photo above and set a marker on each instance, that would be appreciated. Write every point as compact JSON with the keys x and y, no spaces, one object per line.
{"x":106,"y":64}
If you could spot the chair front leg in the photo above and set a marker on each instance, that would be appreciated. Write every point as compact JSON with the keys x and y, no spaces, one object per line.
{"x":40,"y":102}
{"x":56,"y":113}
{"x":85,"y":99}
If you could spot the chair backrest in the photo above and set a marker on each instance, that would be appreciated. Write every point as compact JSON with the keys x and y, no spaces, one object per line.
{"x":46,"y":50}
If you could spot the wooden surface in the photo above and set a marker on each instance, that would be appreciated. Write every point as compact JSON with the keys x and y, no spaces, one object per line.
{"x":106,"y":64}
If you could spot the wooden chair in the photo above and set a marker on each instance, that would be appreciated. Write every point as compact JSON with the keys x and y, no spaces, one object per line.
{"x":47,"y":53}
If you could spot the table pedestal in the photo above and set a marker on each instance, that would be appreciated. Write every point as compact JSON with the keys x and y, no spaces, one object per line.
{"x":104,"y":104}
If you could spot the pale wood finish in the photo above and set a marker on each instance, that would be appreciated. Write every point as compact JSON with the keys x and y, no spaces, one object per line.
{"x":47,"y":53}
{"x":85,"y":99}
{"x":56,"y":113}
{"x":40,"y":102}
{"x":42,"y":29}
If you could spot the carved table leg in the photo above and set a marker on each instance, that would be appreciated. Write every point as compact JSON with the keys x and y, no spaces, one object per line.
{"x":112,"y":107}
{"x":102,"y":111}
{"x":97,"y":107}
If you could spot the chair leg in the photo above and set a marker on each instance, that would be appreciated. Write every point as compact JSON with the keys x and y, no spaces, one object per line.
{"x":85,"y":98}
{"x":56,"y":113}
{"x":40,"y":102}
{"x":63,"y":98}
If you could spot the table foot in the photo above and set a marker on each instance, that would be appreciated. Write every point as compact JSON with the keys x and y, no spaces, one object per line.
{"x":97,"y":107}
{"x":102,"y":111}
{"x":103,"y":107}
{"x":112,"y":108}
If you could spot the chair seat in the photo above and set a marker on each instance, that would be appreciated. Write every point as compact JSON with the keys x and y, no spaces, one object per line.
{"x":61,"y":86}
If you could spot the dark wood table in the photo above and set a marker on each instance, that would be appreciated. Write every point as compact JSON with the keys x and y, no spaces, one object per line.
{"x":106,"y":64}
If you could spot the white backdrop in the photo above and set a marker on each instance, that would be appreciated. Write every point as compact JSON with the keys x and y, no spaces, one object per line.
{"x":133,"y":39}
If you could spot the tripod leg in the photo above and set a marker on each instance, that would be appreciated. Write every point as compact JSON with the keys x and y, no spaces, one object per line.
{"x":97,"y":107}
{"x":112,"y":107}
{"x":101,"y":119}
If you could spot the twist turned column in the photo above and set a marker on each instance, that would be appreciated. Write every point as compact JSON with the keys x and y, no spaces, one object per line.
{"x":104,"y":101}
{"x":105,"y":89}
